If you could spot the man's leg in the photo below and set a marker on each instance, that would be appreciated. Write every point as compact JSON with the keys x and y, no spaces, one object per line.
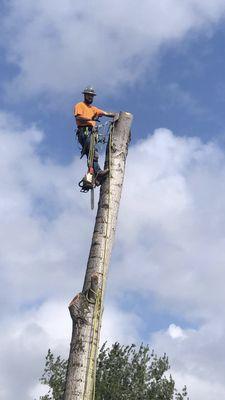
{"x":81,"y":136}
{"x":96,"y":165}
{"x":85,"y":141}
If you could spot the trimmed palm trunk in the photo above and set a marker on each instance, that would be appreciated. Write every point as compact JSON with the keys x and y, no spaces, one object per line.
{"x":86,"y":308}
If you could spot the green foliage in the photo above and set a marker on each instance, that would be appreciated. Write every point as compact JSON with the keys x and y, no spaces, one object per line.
{"x":123,"y":373}
{"x":54,"y":376}
{"x":128,"y":373}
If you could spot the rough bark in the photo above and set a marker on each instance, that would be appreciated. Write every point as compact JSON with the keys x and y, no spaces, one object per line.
{"x":86,"y":308}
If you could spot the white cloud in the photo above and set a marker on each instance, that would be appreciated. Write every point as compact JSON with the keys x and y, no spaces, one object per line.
{"x":27,"y":337}
{"x":170,"y":246}
{"x":196,"y":360}
{"x":200,"y":388}
{"x":46,"y":226}
{"x":37,"y":200}
{"x":119,"y":326}
{"x":173,"y":223}
{"x":59,"y":47}
{"x":176,"y":332}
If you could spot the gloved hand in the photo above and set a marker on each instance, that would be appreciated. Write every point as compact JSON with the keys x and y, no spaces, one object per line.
{"x":116,"y":117}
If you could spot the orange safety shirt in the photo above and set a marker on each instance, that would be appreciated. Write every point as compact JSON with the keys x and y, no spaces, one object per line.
{"x":86,"y":111}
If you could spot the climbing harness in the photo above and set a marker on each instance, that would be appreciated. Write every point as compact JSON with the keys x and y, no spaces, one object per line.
{"x":98,"y":134}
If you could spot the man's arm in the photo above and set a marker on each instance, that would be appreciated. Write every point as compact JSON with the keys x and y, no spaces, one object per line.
{"x":109,"y":114}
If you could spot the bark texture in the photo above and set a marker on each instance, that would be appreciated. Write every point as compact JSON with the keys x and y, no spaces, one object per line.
{"x":86,"y":308}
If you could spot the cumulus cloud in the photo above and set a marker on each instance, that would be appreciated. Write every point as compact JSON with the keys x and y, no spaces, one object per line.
{"x":59,"y":46}
{"x":173,"y":201}
{"x":176,"y":332}
{"x":196,"y":358}
{"x":27,"y":337}
{"x":169,"y":247}
{"x":38,"y":198}
{"x":46,"y":227}
{"x":38,"y":204}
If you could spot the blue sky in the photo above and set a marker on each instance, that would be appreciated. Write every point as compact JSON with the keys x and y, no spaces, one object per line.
{"x":184,"y":89}
{"x":164,"y":63}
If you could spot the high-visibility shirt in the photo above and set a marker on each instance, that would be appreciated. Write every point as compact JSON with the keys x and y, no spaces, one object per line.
{"x":86,"y":111}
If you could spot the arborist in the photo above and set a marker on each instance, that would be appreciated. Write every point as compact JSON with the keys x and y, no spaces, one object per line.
{"x":86,"y":116}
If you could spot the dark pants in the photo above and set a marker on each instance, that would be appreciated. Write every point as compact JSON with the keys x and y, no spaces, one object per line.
{"x":84,"y":138}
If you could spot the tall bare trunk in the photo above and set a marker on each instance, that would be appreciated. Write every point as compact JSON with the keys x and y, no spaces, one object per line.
{"x":86,"y":308}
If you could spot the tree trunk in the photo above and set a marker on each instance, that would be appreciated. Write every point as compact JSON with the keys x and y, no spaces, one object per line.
{"x":86,"y":308}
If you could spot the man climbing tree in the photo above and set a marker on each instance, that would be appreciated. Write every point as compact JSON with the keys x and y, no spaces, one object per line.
{"x":86,"y":116}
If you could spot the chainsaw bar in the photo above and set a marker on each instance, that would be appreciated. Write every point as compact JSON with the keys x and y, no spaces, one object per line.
{"x":92,"y":199}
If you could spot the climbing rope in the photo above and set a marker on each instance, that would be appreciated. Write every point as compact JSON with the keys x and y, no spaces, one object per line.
{"x":102,"y":290}
{"x":91,"y":150}
{"x":99,"y":296}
